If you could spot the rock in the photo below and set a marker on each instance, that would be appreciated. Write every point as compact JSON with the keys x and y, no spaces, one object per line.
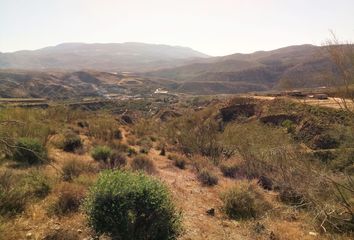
{"x":211,"y":212}
{"x":79,"y":231}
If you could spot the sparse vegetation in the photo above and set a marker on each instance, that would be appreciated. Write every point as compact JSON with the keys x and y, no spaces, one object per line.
{"x":300,"y":155}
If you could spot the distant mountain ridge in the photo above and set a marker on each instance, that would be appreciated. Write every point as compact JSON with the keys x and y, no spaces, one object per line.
{"x":288,"y":67}
{"x":130,"y":56}
{"x":175,"y":68}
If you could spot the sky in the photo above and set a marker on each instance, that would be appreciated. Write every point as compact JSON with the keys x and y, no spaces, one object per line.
{"x":214,"y":27}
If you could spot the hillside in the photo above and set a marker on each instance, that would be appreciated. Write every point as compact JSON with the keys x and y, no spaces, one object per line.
{"x":111,"y":57}
{"x":285,"y":68}
{"x":289,"y":67}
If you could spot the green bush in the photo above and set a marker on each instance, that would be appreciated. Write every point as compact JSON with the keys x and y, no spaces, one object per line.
{"x":143,"y":163}
{"x":71,"y":142}
{"x":101,"y":153}
{"x":132,"y":207}
{"x":244,"y":201}
{"x":29,"y":151}
{"x":208,"y":178}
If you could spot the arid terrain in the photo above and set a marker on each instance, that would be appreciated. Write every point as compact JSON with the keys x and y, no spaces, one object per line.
{"x":200,"y":148}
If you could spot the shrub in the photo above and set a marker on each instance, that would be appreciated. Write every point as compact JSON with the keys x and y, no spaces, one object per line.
{"x":244,"y":201}
{"x":131,"y":152}
{"x":289,"y":125}
{"x":229,"y":169}
{"x":71,"y":142}
{"x":144,"y":150}
{"x":69,"y":198}
{"x":144,"y":163}
{"x":12,"y":197}
{"x":324,"y":141}
{"x":163,"y":151}
{"x":36,"y":184}
{"x":73,"y":168}
{"x":117,"y":134}
{"x":101,"y":153}
{"x":117,"y":160}
{"x":17,"y":190}
{"x":131,"y":206}
{"x":179,"y":161}
{"x":29,"y":151}
{"x":208,"y":178}
{"x":290,"y":196}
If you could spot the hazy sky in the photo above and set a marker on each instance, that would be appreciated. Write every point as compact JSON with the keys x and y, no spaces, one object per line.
{"x":215,"y":27}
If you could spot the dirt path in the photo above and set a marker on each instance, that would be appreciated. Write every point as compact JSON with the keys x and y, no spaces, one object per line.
{"x":194,"y":200}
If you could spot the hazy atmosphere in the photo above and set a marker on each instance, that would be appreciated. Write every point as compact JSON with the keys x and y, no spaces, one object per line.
{"x":214,"y":27}
{"x":177,"y":120}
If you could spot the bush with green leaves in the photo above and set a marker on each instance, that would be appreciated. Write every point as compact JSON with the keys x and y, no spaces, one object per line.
{"x":29,"y":151}
{"x":244,"y":201}
{"x":101,"y":153}
{"x":132,"y":206}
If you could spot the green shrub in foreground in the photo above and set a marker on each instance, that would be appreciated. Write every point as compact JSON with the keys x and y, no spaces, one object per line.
{"x":131,"y":206}
{"x":101,"y":153}
{"x":29,"y":151}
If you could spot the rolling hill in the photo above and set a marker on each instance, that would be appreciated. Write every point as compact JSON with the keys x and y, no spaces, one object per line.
{"x":289,"y":67}
{"x":107,"y":57}
{"x":77,"y":70}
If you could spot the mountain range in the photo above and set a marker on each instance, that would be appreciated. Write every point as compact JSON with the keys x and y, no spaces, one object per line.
{"x":128,"y":56}
{"x":79,"y":69}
